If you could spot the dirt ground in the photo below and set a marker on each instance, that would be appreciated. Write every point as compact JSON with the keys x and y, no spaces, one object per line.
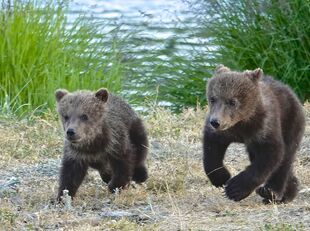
{"x":177,"y":195}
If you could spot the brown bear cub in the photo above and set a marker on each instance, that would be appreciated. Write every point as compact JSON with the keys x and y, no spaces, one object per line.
{"x":264,"y":114}
{"x":101,"y":132}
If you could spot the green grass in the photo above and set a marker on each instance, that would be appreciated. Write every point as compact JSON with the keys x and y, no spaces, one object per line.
{"x":273,"y":35}
{"x":176,"y":83}
{"x":282,"y":227}
{"x":40,"y":52}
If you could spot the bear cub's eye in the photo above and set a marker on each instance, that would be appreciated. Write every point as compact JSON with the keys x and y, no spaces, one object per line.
{"x":212,"y":99}
{"x":84,"y":117}
{"x":232,"y":102}
{"x":66,"y":118}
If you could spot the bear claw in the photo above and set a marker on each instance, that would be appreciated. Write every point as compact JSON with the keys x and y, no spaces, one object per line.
{"x":237,"y":188}
{"x":268,"y":195}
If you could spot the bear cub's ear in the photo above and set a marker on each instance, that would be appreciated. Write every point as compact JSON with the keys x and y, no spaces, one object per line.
{"x":102,"y":94}
{"x":60,"y":93}
{"x":221,"y":69}
{"x":255,"y":75}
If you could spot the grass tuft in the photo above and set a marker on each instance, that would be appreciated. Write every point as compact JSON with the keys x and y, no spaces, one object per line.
{"x":282,"y":227}
{"x":41,"y":51}
{"x":273,"y":35}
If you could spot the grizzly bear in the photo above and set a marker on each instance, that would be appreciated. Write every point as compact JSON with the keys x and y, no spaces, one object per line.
{"x":264,"y":114}
{"x":102,"y":132}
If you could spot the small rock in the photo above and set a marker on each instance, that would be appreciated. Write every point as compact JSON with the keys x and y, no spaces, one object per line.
{"x":118,"y":214}
{"x":9,"y":185}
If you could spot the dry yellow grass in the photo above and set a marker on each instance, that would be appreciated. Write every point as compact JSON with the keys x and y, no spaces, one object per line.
{"x":177,"y":196}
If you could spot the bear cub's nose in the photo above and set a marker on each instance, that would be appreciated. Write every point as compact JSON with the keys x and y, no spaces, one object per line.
{"x":215,"y":123}
{"x":70,"y":132}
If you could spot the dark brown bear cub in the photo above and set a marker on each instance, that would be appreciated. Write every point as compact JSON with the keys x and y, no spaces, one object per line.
{"x":102,"y":132}
{"x":264,"y":114}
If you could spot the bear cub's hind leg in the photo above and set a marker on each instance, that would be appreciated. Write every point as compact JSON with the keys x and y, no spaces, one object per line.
{"x":121,"y":172}
{"x":289,"y":192}
{"x":138,"y":138}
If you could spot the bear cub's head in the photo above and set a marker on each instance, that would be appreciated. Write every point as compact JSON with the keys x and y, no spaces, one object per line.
{"x":232,"y":96}
{"x":81,"y":114}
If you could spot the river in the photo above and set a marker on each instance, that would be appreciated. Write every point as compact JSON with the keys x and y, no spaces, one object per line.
{"x":160,"y":31}
{"x":158,"y":21}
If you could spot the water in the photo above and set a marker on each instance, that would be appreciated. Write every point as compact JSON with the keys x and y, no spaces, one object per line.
{"x":159,"y":22}
{"x":161,"y":31}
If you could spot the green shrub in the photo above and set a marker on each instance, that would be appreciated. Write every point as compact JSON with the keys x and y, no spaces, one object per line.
{"x":175,"y":83}
{"x":41,"y":51}
{"x":273,"y":35}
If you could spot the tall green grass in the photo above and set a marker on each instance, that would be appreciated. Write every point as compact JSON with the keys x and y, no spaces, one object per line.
{"x":177,"y":82}
{"x":273,"y":35}
{"x":41,"y":51}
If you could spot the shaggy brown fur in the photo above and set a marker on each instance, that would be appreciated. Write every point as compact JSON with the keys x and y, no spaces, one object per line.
{"x":267,"y":117}
{"x":102,"y":132}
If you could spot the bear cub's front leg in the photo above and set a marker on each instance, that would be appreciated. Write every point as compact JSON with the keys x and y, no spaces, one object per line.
{"x":239,"y":187}
{"x":72,"y":174}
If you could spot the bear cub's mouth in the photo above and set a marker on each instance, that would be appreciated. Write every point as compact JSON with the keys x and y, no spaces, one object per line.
{"x":72,"y":136}
{"x":73,"y":140}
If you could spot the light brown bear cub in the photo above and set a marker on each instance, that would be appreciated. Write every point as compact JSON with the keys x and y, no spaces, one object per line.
{"x":102,"y":132}
{"x":266,"y":116}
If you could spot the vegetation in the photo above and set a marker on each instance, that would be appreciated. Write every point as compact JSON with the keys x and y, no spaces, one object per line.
{"x":282,"y":227}
{"x":41,"y":51}
{"x":273,"y":35}
{"x":177,"y":81}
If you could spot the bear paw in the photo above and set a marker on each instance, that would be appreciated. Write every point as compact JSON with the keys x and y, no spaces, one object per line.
{"x":117,"y":184}
{"x":269,"y":195}
{"x":219,"y":177}
{"x":140,"y":174}
{"x":238,"y":187}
